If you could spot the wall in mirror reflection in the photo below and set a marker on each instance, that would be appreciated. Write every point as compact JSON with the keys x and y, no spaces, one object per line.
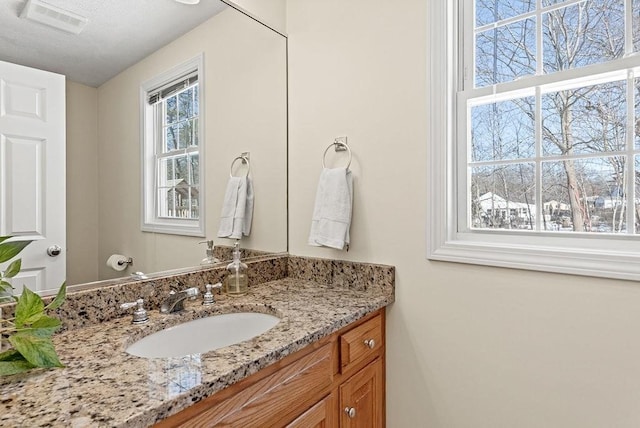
{"x":245,"y":90}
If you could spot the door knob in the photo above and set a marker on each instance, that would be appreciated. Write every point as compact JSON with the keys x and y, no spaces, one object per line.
{"x":350,"y":411}
{"x":54,"y":250}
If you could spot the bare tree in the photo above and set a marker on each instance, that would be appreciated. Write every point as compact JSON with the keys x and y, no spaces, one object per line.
{"x":585,"y":120}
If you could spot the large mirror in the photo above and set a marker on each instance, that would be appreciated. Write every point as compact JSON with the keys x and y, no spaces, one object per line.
{"x":245,"y":97}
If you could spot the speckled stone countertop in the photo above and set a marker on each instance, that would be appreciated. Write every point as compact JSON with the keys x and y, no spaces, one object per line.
{"x":103,"y":386}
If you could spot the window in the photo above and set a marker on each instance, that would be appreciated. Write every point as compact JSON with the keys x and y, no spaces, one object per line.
{"x":173,"y":159}
{"x":541,"y":169}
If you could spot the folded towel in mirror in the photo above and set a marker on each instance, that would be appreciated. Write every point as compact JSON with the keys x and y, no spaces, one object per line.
{"x":331,"y":219}
{"x":237,"y":208}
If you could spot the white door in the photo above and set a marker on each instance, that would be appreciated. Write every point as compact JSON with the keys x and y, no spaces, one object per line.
{"x":32,"y":172}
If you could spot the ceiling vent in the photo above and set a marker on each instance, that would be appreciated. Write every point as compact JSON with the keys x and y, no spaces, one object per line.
{"x":38,"y":11}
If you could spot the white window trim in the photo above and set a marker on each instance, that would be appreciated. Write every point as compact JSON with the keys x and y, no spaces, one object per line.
{"x":149,"y":221}
{"x":581,"y":255}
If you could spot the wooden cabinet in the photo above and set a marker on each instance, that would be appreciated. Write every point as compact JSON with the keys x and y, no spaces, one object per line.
{"x":322,"y":415}
{"x":361,"y":398}
{"x":337,"y":381}
{"x":360,"y":344}
{"x":361,"y":395}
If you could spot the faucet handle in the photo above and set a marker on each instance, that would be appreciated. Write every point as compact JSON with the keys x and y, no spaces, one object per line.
{"x":188,"y":292}
{"x":140,"y":315}
{"x":130,"y":304}
{"x":208,"y":298}
{"x":191,"y":292}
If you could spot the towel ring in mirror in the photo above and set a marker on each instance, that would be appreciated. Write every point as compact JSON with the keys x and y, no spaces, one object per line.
{"x":245,"y":160}
{"x":339,"y":147}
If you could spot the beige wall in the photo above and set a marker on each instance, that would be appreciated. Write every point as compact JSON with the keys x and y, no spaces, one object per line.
{"x":82,"y":183}
{"x":245,"y":100}
{"x":271,"y":12}
{"x":468,"y":346}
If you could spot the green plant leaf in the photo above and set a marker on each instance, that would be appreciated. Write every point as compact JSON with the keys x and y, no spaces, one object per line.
{"x":11,"y":355}
{"x":12,"y":362}
{"x":14,"y":367}
{"x":5,"y":299}
{"x":43,"y":327}
{"x":59,"y":300}
{"x":29,"y":308}
{"x":9,"y":250}
{"x":4,"y":238}
{"x":13,"y":269}
{"x":5,"y":286}
{"x":39,"y":351}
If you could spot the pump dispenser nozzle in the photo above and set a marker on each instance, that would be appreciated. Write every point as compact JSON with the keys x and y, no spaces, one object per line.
{"x":209,"y":260}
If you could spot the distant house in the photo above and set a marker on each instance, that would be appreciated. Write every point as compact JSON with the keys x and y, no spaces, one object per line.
{"x":555,"y":207}
{"x":496,"y":206}
{"x":181,"y":199}
{"x":604,"y":202}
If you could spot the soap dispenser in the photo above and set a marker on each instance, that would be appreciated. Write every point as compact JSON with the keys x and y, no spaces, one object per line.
{"x":209,"y":260}
{"x":235,"y":284}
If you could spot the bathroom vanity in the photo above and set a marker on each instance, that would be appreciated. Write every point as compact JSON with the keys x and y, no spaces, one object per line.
{"x":338,"y":378}
{"x":321,"y":365}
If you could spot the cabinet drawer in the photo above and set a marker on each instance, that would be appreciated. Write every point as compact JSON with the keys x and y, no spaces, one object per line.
{"x":361,"y":344}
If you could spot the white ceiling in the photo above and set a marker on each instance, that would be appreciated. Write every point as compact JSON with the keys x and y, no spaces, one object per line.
{"x":119,"y":34}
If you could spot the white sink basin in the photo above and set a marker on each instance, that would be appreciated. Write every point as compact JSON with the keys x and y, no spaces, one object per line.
{"x":203,"y":334}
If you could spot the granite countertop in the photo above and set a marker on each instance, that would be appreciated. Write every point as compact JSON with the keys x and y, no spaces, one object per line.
{"x":102,"y":385}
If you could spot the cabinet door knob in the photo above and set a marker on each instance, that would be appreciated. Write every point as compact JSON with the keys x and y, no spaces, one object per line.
{"x":350,"y":411}
{"x":370,"y":343}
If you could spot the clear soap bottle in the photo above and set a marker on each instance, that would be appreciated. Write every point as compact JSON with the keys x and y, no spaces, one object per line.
{"x":235,"y":284}
{"x":209,"y":260}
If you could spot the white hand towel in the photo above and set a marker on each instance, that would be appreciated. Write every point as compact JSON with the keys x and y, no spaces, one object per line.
{"x":237,"y":208}
{"x":332,"y":211}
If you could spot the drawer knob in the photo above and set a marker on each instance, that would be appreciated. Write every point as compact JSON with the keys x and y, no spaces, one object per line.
{"x":350,"y":411}
{"x":370,"y":343}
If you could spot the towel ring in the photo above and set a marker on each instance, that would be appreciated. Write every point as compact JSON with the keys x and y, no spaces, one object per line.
{"x":339,"y":147}
{"x":245,"y":160}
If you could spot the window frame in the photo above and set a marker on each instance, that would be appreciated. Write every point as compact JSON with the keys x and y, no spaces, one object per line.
{"x":151,"y":221}
{"x":616,"y":257}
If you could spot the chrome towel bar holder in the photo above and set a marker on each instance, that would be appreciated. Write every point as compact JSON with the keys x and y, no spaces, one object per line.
{"x":244,"y":157}
{"x":340,"y":145}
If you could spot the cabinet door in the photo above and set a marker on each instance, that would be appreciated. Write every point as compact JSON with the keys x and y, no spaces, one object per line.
{"x":319,"y":416}
{"x":361,"y":398}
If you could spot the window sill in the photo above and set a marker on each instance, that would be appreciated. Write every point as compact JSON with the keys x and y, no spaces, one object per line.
{"x":587,"y":262}
{"x":171,"y":228}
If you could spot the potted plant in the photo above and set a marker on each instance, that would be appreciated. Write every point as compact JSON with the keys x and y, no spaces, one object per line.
{"x":25,"y":339}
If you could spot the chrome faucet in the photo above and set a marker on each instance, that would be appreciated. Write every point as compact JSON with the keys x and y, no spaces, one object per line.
{"x":140,"y":315}
{"x":175,"y":300}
